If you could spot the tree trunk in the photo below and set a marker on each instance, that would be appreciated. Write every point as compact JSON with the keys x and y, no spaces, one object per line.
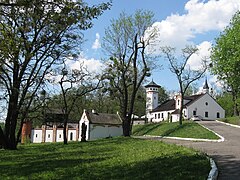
{"x":11,"y":122}
{"x":65,"y":132}
{"x":126,"y":126}
{"x":181,"y":110}
{"x":235,"y":108}
{"x":2,"y":139}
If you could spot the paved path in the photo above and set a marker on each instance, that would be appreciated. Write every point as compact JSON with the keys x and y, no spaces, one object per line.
{"x":226,"y":154}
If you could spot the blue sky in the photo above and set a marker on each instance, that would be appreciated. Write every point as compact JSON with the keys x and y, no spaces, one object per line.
{"x":180,"y":22}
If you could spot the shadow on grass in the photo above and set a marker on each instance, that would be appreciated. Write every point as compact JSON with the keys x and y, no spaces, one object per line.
{"x":145,"y":129}
{"x":177,"y":128}
{"x":168,"y":167}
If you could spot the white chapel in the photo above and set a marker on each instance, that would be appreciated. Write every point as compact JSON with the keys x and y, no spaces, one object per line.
{"x":202,"y":105}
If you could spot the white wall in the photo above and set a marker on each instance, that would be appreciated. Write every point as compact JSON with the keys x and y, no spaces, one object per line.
{"x":36,"y":136}
{"x":49,"y":135}
{"x":161,"y":116}
{"x":59,"y":135}
{"x":73,"y":131}
{"x":206,"y":104}
{"x":103,"y":131}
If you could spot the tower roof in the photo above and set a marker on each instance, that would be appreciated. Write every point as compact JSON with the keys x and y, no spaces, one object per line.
{"x":206,"y":85}
{"x":152,"y":84}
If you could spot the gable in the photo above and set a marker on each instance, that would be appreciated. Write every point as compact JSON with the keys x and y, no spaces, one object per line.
{"x":206,"y":100}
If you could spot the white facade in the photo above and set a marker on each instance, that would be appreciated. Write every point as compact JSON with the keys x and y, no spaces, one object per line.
{"x":93,"y":130}
{"x":203,"y":106}
{"x":206,"y":108}
{"x":59,"y":135}
{"x":97,"y":131}
{"x":49,"y":135}
{"x":36,"y":135}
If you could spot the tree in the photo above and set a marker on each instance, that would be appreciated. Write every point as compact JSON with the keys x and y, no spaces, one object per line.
{"x":162,"y":95}
{"x":184,"y":74}
{"x":126,"y":41}
{"x":85,"y":84}
{"x":226,"y":58}
{"x":33,"y":37}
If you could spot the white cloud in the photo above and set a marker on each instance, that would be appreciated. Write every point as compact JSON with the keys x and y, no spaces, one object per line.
{"x":204,"y":51}
{"x":97,"y":44}
{"x":92,"y":65}
{"x":200,"y":17}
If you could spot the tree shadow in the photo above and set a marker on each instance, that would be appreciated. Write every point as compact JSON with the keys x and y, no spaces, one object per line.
{"x":172,"y":130}
{"x":228,"y":166}
{"x":145,"y":129}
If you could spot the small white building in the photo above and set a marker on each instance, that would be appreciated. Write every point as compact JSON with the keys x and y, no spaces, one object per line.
{"x":100,"y":125}
{"x":202,"y":105}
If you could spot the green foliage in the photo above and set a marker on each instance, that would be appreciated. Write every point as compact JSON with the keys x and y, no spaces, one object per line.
{"x":226,"y":101}
{"x":116,"y":158}
{"x":226,"y":57}
{"x":232,"y":120}
{"x":188,"y":129}
{"x":162,"y":95}
{"x":34,"y":36}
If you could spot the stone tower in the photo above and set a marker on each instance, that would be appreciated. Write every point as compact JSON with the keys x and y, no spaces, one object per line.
{"x":152,"y":97}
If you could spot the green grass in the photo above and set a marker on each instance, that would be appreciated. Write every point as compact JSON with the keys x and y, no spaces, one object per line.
{"x":232,"y":120}
{"x":116,"y":158}
{"x":189,"y":129}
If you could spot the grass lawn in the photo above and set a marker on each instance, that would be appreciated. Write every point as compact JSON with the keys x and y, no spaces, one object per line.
{"x":116,"y":158}
{"x":232,"y":120}
{"x":189,"y":129}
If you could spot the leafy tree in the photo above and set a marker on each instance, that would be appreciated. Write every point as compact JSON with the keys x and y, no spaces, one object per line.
{"x":226,"y":58}
{"x":126,"y":41}
{"x":162,"y":95}
{"x":184,"y":74}
{"x":33,"y":37}
{"x":85,"y":84}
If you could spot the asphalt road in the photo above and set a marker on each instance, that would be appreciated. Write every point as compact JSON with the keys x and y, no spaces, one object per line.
{"x":226,"y":154}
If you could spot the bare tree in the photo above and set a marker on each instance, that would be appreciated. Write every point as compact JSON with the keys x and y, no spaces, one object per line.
{"x":185,"y":75}
{"x":126,"y":41}
{"x":74,"y":84}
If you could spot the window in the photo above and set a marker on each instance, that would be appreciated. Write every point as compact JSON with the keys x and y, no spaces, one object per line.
{"x":218,"y":115}
{"x":71,"y":136}
{"x":158,"y":115}
{"x":206,"y":114}
{"x":162,"y":115}
{"x":60,"y":136}
{"x":206,"y":103}
{"x":36,"y":135}
{"x":178,"y":102}
{"x":155,"y":116}
{"x":194,"y":113}
{"x":49,"y":135}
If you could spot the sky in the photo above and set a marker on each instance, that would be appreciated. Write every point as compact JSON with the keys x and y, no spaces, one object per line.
{"x":180,"y":23}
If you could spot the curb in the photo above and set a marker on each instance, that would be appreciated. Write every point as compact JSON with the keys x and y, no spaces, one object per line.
{"x":213,"y":174}
{"x":233,"y":125}
{"x":221,"y":137}
{"x":187,"y":139}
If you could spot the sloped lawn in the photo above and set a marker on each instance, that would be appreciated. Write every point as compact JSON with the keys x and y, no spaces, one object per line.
{"x":189,"y":129}
{"x":232,"y":120}
{"x":117,"y":158}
